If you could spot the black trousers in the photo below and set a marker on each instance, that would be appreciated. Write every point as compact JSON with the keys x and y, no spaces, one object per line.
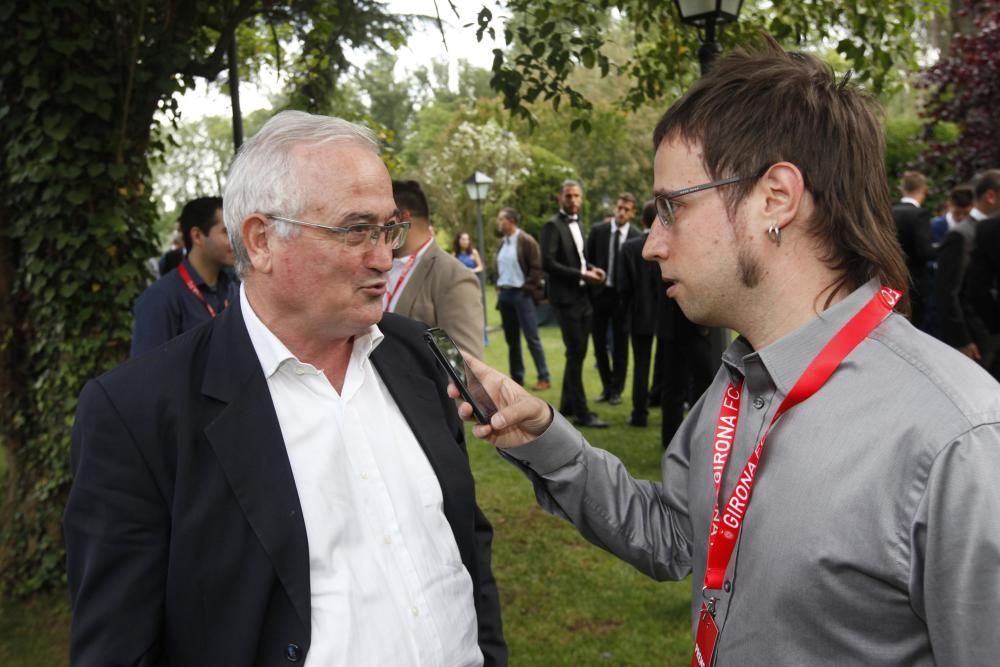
{"x":609,"y":314}
{"x":642,"y":347}
{"x":574,"y":323}
{"x":688,"y":369}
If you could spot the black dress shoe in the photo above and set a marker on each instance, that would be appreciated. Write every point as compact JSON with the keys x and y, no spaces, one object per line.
{"x":636,"y":421}
{"x":615,"y":399}
{"x":591,"y":422}
{"x":602,"y":397}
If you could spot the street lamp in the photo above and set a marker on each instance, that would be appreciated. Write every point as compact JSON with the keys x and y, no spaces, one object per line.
{"x":478,"y":187}
{"x":707,"y":14}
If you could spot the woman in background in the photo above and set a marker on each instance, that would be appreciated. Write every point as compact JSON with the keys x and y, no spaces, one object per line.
{"x":467,"y":254}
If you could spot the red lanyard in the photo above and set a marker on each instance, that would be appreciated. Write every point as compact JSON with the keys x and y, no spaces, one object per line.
{"x":726,"y":525}
{"x":406,"y":270}
{"x":186,"y":277}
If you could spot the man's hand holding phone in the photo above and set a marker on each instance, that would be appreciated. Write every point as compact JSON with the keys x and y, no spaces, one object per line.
{"x":520,"y":417}
{"x":506,"y":415}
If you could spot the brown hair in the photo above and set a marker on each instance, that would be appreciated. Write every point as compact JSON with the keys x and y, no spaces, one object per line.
{"x":511,"y":214}
{"x":912,"y":182}
{"x":962,"y":195}
{"x":753,"y":109}
{"x":628,"y":196}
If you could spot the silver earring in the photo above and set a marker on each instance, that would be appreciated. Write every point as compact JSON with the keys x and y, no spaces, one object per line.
{"x":774,"y":233}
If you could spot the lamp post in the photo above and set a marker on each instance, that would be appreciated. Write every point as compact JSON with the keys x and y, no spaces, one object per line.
{"x":706,"y":14}
{"x":478,"y":188}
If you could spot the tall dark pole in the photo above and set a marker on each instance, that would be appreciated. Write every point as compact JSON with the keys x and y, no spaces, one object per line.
{"x":709,"y":49}
{"x":234,"y":94}
{"x":482,"y":274}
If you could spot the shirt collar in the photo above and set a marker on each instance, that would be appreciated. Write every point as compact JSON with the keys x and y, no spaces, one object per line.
{"x":272,"y":353}
{"x":977,"y":214}
{"x":910,"y":200}
{"x":195,"y":276}
{"x":569,"y":218}
{"x":780,"y":364}
{"x":513,"y":237}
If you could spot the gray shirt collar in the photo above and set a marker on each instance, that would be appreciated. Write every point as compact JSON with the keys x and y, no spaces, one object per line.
{"x":780,"y":364}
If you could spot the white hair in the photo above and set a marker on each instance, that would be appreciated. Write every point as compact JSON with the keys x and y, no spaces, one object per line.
{"x":262,"y":178}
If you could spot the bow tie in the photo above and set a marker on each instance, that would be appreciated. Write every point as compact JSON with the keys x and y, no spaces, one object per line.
{"x":572,"y":218}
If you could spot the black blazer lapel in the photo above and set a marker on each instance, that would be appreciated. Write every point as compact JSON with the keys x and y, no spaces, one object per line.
{"x":246,"y":438}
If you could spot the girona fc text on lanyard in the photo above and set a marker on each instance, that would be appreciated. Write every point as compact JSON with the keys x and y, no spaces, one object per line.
{"x":728,"y":521}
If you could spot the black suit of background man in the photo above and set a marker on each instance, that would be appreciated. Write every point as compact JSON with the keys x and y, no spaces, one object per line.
{"x":982,"y":280}
{"x":688,"y":363}
{"x":564,"y":261}
{"x":609,"y":312}
{"x":641,"y":287}
{"x":913,"y":227}
{"x":983,"y":289}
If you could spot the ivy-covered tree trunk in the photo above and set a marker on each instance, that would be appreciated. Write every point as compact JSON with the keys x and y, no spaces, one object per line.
{"x":75,"y":117}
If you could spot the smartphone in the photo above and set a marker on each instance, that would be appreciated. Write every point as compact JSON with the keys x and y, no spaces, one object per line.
{"x":468,"y":384}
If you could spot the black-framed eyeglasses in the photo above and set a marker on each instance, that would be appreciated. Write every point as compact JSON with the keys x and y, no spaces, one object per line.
{"x":665,"y":204}
{"x":355,"y":236}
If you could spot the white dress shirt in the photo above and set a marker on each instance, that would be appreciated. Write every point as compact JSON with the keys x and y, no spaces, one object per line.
{"x":573,"y":221}
{"x":615,"y":227}
{"x":387,"y":583}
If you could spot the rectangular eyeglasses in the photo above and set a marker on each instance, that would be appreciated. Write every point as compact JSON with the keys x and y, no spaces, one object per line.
{"x":665,"y":206}
{"x":355,"y":236}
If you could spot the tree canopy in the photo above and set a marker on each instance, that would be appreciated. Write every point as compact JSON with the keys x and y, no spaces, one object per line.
{"x":964,"y":88}
{"x":549,"y":40}
{"x":81,"y":82}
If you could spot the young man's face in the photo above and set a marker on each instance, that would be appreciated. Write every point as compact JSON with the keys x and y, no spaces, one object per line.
{"x":704,"y":256}
{"x":570,"y":199}
{"x":215,"y":246}
{"x":624,"y":211}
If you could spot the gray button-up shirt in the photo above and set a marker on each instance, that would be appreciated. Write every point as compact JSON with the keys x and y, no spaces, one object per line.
{"x":873,"y":534}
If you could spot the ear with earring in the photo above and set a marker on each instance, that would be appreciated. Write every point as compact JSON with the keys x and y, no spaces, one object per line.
{"x":774,"y":233}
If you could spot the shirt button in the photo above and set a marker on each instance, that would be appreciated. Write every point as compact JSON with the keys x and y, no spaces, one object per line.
{"x":758,"y":402}
{"x":293,"y":653}
{"x":364,"y":475}
{"x":414,"y":611}
{"x":299,"y":371}
{"x":387,"y":539}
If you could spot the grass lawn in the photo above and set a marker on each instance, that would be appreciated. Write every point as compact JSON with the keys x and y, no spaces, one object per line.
{"x":565,"y":602}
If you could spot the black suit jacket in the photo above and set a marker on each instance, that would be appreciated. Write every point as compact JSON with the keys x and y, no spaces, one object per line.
{"x":952,"y":262}
{"x":641,"y":288}
{"x":598,"y":251}
{"x":913,"y":226}
{"x":983,"y":280}
{"x":562,"y":263}
{"x":185,"y":538}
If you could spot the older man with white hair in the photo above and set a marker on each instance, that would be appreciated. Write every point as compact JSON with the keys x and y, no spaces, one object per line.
{"x":294,"y":486}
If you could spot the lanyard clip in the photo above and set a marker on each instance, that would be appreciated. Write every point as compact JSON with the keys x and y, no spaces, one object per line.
{"x":709,"y":599}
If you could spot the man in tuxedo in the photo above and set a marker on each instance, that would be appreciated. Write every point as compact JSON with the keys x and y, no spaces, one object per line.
{"x":913,"y":228}
{"x":565,"y":262}
{"x":294,"y":485}
{"x":982,"y":281}
{"x":604,"y":249}
{"x":428,"y":284}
